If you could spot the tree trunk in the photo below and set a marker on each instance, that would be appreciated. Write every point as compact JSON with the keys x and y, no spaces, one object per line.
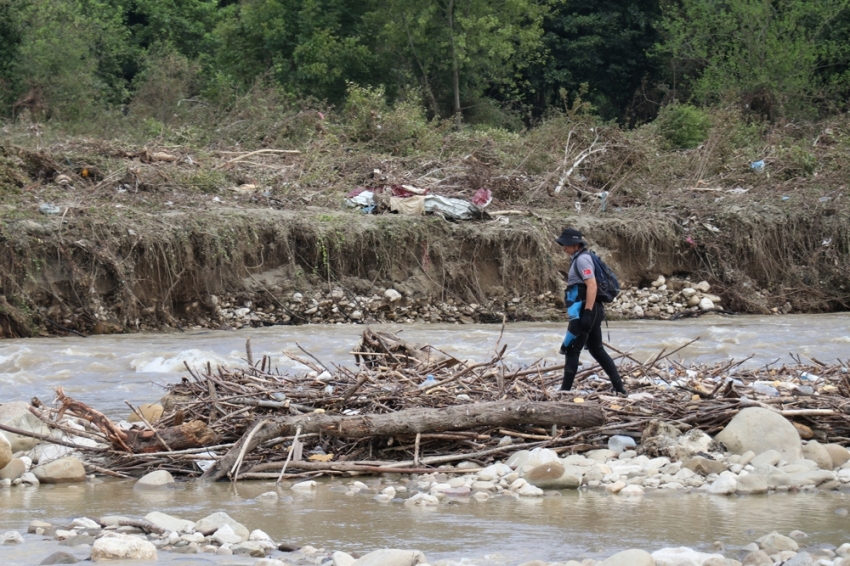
{"x":455,"y":64}
{"x":193,"y":434}
{"x":420,"y":420}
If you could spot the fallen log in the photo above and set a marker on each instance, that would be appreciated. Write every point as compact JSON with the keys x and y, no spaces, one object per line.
{"x":187,"y":435}
{"x":413,"y":421}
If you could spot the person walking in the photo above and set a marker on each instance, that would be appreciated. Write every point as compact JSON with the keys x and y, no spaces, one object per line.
{"x":585,"y":313}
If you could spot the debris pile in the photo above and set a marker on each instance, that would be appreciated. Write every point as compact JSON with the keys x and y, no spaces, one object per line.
{"x":406,"y":408}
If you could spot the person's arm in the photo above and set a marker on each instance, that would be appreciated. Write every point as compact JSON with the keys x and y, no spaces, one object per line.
{"x":590,"y":297}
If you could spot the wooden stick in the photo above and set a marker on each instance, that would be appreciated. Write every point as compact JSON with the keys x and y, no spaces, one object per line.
{"x":234,"y":472}
{"x":288,"y":456}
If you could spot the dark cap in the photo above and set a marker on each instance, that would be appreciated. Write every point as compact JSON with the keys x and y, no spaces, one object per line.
{"x":571,"y":237}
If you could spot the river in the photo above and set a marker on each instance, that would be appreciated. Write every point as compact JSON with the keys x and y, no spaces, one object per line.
{"x":103,"y":371}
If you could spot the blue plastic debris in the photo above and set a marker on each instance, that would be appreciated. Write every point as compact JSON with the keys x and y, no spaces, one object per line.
{"x":757,"y":166}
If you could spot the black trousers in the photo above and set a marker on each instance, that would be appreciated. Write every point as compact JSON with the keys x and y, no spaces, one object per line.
{"x":592,"y":340}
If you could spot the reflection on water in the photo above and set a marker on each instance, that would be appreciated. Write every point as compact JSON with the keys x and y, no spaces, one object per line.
{"x":566,"y":525}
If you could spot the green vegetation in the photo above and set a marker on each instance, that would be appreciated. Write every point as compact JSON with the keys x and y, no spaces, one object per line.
{"x":683,"y":126}
{"x":503,"y":64}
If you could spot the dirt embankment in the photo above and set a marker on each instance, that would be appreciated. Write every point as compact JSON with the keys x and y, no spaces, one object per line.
{"x":233,"y":267}
{"x":99,"y":236}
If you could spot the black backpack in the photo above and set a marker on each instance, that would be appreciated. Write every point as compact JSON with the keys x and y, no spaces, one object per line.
{"x":607,"y":284}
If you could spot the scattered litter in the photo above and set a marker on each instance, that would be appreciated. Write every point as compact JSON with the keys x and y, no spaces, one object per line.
{"x":785,"y":198}
{"x":48,"y":208}
{"x":827,"y":242}
{"x":406,"y":199}
{"x":825,"y":199}
{"x":738,"y":191}
{"x":482,"y":198}
{"x":757,"y":166}
{"x":711,"y":227}
{"x":216,"y":199}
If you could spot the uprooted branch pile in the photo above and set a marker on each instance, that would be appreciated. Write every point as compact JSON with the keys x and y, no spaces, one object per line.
{"x":409,"y":408}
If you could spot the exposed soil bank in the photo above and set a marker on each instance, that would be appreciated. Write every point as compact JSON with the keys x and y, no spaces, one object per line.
{"x":101,"y":271}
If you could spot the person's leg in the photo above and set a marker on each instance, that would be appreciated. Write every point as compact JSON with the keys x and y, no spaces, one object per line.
{"x":597,"y":350}
{"x":572,"y":351}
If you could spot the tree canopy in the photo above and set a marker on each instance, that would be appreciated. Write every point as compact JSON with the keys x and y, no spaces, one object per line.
{"x":66,"y":59}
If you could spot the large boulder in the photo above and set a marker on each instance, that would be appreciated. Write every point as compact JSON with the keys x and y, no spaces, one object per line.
{"x":18,"y":415}
{"x":13,"y":470}
{"x":154,"y":480}
{"x":774,"y":542}
{"x":633,"y":557}
{"x":116,"y":546}
{"x":5,"y":451}
{"x":170,"y":523}
{"x":814,"y":450}
{"x":838,"y":453}
{"x":150,"y":411}
{"x":759,"y":430}
{"x":751,"y":484}
{"x":64,"y":470}
{"x":391,"y":557}
{"x":553,"y":475}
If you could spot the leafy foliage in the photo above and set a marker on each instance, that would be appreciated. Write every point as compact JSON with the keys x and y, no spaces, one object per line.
{"x":683,"y":126}
{"x":762,"y":54}
{"x":499,"y":63}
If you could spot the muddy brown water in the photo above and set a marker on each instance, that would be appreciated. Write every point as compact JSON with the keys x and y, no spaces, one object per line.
{"x":103,"y":371}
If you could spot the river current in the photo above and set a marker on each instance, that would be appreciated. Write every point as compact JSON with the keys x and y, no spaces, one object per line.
{"x":104,"y":371}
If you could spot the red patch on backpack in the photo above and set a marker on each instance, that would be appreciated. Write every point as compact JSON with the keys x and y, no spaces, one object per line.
{"x":587,"y":272}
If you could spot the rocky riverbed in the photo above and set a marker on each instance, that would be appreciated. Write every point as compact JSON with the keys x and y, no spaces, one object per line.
{"x":662,"y":299}
{"x":758,"y":452}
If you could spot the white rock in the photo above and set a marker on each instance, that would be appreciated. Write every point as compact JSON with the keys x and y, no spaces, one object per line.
{"x":63,"y":470}
{"x":392,"y":295}
{"x":422,"y":499}
{"x":211,"y":523}
{"x":682,"y":556}
{"x":170,"y":523}
{"x":725,"y":484}
{"x":30,"y":479}
{"x":632,"y":491}
{"x":116,"y":546}
{"x":777,"y":542}
{"x":268,"y":497}
{"x":706,"y":304}
{"x":305,"y":486}
{"x":17,"y":414}
{"x":225,"y":534}
{"x":759,"y":430}
{"x":342,"y":559}
{"x":391,"y":557}
{"x":269,"y":562}
{"x":702,"y":286}
{"x":155,"y":480}
{"x":12,"y":537}
{"x":688,"y":292}
{"x":530,"y":491}
{"x":5,"y":451}
{"x":85,"y":523}
{"x":633,"y":557}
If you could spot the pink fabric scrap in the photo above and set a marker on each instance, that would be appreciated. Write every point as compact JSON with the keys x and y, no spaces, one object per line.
{"x":482,"y":198}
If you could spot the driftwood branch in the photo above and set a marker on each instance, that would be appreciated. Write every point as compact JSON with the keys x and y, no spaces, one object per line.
{"x":412,"y":421}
